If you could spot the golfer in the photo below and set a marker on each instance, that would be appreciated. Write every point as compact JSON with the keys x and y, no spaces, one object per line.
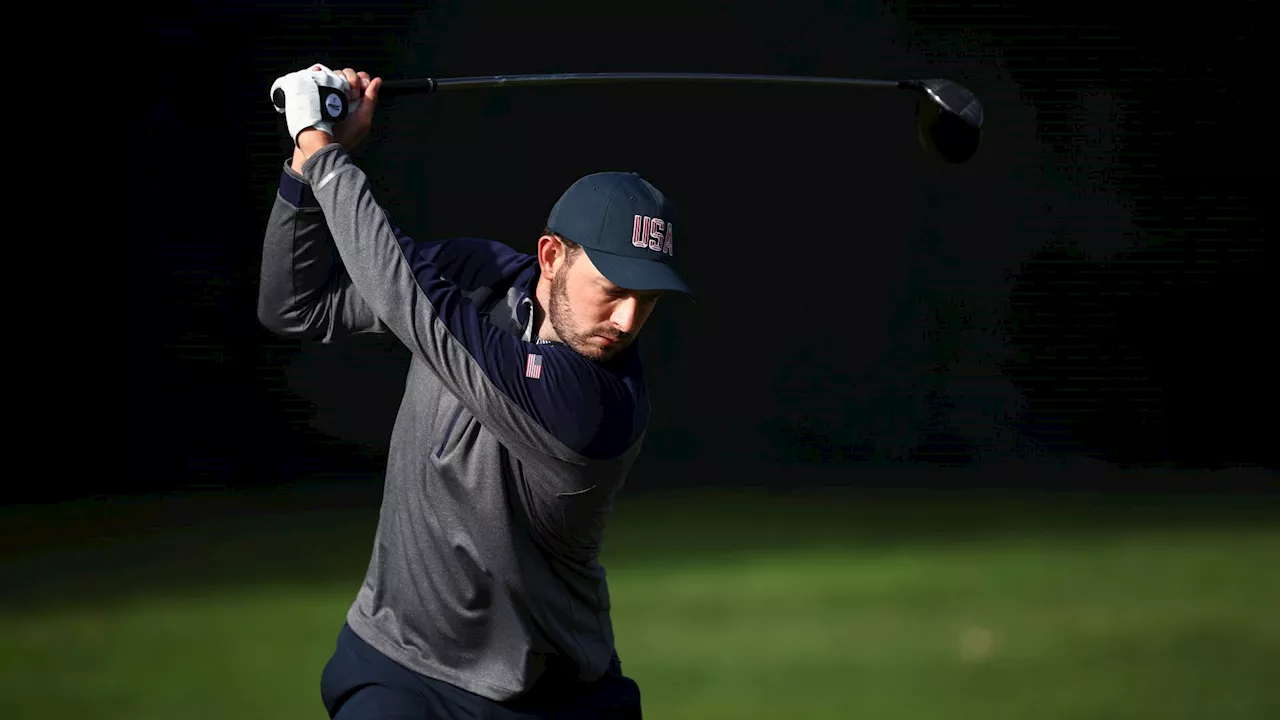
{"x":524,"y":408}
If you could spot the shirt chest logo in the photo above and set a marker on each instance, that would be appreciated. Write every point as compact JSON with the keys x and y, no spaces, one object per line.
{"x":533,"y":366}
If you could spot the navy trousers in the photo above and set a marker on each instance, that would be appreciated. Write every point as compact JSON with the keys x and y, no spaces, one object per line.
{"x":360,"y":683}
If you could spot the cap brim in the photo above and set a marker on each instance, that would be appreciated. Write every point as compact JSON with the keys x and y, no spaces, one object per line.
{"x":639,"y":274}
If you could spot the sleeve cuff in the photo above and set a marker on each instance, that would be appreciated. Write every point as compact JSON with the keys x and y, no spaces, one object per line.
{"x":295,"y":189}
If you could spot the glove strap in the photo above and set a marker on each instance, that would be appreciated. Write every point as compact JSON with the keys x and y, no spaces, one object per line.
{"x":333,"y":105}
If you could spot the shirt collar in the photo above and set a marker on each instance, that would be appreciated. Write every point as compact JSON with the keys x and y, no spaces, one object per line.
{"x":526,"y":302}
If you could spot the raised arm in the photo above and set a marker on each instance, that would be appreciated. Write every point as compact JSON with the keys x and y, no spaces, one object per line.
{"x":304,"y":291}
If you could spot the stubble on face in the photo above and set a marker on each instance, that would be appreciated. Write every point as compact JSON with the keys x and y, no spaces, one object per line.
{"x":569,"y":330}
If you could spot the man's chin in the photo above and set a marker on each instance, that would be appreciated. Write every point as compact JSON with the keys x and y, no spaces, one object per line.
{"x":593,"y":350}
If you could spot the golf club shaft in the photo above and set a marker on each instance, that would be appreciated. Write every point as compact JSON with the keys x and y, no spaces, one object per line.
{"x":430,"y":85}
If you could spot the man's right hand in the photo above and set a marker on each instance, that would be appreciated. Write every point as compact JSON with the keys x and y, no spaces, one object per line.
{"x":356,"y":126}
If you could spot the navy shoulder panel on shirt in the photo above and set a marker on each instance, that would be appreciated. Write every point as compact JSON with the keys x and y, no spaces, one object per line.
{"x":596,"y":410}
{"x":472,"y":262}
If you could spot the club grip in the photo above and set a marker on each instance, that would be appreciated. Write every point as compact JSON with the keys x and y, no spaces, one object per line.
{"x":423,"y":85}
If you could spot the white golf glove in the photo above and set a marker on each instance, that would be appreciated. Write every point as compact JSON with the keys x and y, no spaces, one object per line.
{"x":312,"y":98}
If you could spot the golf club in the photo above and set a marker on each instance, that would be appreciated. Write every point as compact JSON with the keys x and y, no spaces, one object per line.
{"x":948,"y":115}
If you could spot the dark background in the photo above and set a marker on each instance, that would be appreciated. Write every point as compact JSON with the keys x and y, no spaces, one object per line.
{"x":1087,"y":298}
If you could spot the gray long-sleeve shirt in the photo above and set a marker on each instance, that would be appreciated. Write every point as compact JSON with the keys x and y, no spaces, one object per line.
{"x":507,"y":451}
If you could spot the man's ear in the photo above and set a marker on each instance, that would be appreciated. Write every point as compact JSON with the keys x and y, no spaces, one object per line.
{"x":550,"y":251}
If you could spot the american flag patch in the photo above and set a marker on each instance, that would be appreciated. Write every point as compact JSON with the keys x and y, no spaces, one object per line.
{"x":533,"y":366}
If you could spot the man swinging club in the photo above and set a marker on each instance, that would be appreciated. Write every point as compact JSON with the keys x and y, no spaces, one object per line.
{"x":524,"y":408}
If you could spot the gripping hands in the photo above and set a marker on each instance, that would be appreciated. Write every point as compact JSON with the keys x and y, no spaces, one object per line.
{"x":313,"y":98}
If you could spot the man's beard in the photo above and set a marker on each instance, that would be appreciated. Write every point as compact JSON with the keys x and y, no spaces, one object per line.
{"x":562,"y":320}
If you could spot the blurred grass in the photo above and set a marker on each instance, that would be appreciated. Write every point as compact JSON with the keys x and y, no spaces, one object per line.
{"x":828,"y":604}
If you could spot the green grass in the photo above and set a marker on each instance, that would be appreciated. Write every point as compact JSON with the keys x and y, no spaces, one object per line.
{"x":837,"y":605}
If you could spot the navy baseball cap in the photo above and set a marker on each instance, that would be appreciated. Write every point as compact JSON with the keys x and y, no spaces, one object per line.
{"x":626,"y":226}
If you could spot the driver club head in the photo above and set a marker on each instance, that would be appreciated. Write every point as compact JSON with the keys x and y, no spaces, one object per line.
{"x":949,"y":118}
